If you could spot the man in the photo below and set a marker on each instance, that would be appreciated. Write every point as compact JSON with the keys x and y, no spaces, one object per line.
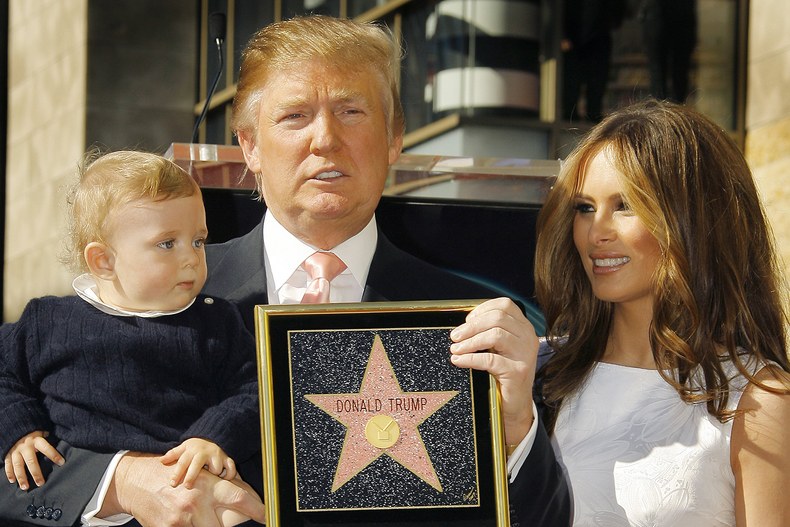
{"x":319,"y":136}
{"x":317,"y":113}
{"x":318,"y":117}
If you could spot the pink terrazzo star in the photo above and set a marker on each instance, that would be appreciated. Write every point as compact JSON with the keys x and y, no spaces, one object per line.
{"x":381,"y":400}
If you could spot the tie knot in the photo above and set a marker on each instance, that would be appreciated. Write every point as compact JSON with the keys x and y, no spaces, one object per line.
{"x":322,"y":268}
{"x":323,"y":265}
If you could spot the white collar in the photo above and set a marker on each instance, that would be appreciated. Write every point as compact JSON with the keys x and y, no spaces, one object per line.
{"x":86,"y":288}
{"x":356,"y":252}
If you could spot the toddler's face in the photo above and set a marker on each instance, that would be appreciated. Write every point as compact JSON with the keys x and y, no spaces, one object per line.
{"x":158,"y":252}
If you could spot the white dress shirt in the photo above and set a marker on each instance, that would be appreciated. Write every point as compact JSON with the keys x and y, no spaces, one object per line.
{"x":286,"y":280}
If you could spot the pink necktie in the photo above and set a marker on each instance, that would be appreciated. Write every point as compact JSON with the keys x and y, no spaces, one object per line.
{"x":322,"y":268}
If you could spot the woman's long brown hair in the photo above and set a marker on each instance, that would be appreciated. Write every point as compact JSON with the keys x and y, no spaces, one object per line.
{"x":718,"y":289}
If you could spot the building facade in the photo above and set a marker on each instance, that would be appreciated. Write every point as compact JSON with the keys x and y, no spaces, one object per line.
{"x":134,"y":74}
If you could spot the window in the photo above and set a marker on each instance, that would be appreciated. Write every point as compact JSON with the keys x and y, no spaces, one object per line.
{"x":502,"y":61}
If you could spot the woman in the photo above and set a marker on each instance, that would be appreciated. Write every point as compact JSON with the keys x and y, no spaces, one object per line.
{"x":666,"y":385}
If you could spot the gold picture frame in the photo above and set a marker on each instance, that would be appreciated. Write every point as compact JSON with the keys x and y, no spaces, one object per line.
{"x":364,"y":419}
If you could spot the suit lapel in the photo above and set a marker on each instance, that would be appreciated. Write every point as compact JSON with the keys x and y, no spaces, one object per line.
{"x":384,"y":282}
{"x":370,"y":294}
{"x":237,"y":268}
{"x":237,"y":272}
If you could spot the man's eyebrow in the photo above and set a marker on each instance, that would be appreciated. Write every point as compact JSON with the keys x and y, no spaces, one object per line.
{"x":289,"y":103}
{"x":341,"y":96}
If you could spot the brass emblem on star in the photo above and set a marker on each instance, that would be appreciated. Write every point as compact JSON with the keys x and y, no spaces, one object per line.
{"x":382,"y":419}
{"x":382,"y":431}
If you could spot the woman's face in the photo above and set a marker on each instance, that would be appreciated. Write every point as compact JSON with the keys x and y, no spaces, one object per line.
{"x":618,"y":253}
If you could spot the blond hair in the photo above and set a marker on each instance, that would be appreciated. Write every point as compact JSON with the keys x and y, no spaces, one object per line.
{"x":348,"y":45}
{"x":109,"y":180}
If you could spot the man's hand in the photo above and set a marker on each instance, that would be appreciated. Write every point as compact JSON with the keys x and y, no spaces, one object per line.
{"x":499,"y":339}
{"x":141,"y":487}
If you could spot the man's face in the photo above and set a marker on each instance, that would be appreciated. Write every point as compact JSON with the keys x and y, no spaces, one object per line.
{"x":322,"y":150}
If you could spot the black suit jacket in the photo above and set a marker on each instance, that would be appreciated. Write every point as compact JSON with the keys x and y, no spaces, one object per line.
{"x":237,"y":273}
{"x":538,"y":497}
{"x":64,"y":495}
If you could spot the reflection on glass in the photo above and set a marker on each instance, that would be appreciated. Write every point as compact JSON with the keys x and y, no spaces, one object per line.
{"x":293,"y":8}
{"x":711,"y":79}
{"x":586,"y":46}
{"x":487,"y":56}
{"x":418,"y":67}
{"x":251,"y":15}
{"x":502,"y":57}
{"x":358,"y":7}
{"x":498,"y":179}
{"x":470,"y":57}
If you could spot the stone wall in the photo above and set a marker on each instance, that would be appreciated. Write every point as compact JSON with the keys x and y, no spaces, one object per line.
{"x":46,"y":131}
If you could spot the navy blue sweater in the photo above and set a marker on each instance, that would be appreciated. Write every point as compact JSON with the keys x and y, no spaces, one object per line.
{"x":107,"y":383}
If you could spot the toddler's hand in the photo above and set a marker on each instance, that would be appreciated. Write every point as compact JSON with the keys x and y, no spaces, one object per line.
{"x":23,"y":454}
{"x":191,"y":456}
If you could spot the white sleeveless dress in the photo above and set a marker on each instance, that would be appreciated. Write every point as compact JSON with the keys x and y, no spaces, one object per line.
{"x":636,"y":455}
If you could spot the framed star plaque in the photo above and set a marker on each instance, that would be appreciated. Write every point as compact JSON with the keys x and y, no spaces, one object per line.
{"x":364,"y":419}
